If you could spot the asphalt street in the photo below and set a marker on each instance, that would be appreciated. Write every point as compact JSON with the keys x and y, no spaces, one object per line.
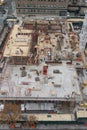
{"x":51,"y":127}
{"x":47,"y":129}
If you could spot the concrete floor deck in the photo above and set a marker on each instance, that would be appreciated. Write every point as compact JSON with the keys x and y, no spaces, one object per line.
{"x":53,"y":85}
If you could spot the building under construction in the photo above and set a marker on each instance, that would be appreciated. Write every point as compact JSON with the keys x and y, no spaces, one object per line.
{"x":41,"y":79}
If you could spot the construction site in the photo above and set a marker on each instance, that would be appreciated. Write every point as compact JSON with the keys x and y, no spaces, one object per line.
{"x":43,"y":74}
